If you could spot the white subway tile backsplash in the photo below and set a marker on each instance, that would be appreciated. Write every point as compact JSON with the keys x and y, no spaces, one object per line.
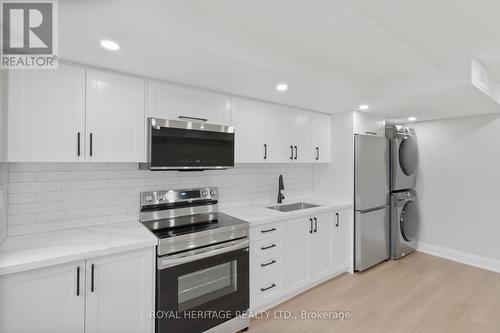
{"x":54,"y":196}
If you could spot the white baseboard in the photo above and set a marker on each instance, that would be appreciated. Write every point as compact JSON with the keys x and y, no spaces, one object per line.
{"x":460,"y":256}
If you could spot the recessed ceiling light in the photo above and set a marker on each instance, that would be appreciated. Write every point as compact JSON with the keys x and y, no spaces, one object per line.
{"x":412,"y":118}
{"x":363,"y":107}
{"x":282,"y":87}
{"x":110,"y":45}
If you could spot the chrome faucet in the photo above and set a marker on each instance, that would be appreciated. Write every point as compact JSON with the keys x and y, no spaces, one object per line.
{"x":281,"y":187}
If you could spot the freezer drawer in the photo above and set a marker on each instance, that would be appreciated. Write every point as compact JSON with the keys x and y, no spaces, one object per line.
{"x":372,"y":238}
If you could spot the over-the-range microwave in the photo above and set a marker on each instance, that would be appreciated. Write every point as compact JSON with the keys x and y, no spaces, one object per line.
{"x":188,"y":145}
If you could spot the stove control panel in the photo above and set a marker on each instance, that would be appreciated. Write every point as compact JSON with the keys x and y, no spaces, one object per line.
{"x":179,"y":196}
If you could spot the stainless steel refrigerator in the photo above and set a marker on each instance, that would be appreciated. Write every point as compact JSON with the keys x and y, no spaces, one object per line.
{"x":371,"y":201}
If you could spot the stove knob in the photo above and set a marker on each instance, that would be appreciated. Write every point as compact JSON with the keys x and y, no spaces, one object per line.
{"x":204,"y":193}
{"x":212,"y":192}
{"x":149,"y":198}
{"x":160,"y":197}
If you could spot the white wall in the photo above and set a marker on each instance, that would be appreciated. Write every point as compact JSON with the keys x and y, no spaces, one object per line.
{"x":336,"y":180}
{"x":459,"y":188}
{"x":3,"y":156}
{"x":55,"y":196}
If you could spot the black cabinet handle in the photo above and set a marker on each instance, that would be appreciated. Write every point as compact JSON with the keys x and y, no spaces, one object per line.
{"x":268,"y":230}
{"x":317,"y":153}
{"x":291,"y":152}
{"x":295,"y":152}
{"x":267,"y":247}
{"x":265,"y":151}
{"x":315,"y":225}
{"x":78,"y":281}
{"x":78,"y":140}
{"x":268,"y":263}
{"x":267,"y":288}
{"x":193,"y":118}
{"x":337,"y":223}
{"x":91,"y":145}
{"x":310,"y":226}
{"x":92,"y":278}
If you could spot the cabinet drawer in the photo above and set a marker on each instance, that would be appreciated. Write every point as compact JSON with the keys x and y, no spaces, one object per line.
{"x":264,"y":287}
{"x":266,"y":231}
{"x":266,"y":246}
{"x":266,"y":264}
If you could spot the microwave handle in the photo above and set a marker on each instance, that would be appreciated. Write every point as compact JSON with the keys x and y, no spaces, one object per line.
{"x":192,"y":118}
{"x":169,"y":262}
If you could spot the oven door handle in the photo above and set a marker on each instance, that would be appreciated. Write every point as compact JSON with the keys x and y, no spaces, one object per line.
{"x":169,"y":262}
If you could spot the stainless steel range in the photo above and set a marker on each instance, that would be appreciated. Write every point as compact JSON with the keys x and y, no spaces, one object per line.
{"x":202,"y":282}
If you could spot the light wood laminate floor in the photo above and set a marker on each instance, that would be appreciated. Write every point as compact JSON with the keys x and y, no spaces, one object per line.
{"x":419,"y":293}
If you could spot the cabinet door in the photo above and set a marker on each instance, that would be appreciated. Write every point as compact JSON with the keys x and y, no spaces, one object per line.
{"x":120,"y":293}
{"x":168,"y":101}
{"x":115,"y":118}
{"x":279,"y":130}
{"x":301,"y":135}
{"x":298,"y":253}
{"x":44,"y":301}
{"x":321,"y":138}
{"x":322,"y":247}
{"x":249,"y":121}
{"x":46,"y":113}
{"x":341,"y":244}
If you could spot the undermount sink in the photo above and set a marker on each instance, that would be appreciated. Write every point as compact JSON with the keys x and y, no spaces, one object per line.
{"x":292,"y":207}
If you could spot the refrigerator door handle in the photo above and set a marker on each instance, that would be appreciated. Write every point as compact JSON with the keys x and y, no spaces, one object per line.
{"x":363,"y":211}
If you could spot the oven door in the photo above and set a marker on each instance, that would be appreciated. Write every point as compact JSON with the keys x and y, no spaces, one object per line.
{"x":200,"y":290}
{"x":185,"y":145}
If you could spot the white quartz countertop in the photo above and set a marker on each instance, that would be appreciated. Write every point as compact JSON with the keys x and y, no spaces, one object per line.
{"x":21,"y":253}
{"x":260,"y":214}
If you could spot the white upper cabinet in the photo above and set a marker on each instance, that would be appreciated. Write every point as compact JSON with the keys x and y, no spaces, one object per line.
{"x":168,"y":101}
{"x":120,"y":293}
{"x":50,"y":300}
{"x":115,"y":117}
{"x":279,"y":129}
{"x":249,"y":121}
{"x":46,"y":114}
{"x":301,"y":135}
{"x":321,"y":138}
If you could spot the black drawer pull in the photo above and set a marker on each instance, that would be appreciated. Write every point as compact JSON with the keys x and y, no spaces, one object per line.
{"x":310,"y":226}
{"x":317,"y":153}
{"x":265,"y":151}
{"x":291,"y":152}
{"x":337,"y":219}
{"x":78,"y":281}
{"x":91,"y":144}
{"x":315,"y":225}
{"x":78,"y":142}
{"x":92,"y":289}
{"x":267,"y":288}
{"x":295,"y":152}
{"x":268,"y":263}
{"x":268,"y":230}
{"x":267,"y":247}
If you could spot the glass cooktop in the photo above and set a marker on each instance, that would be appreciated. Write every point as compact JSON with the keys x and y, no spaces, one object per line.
{"x":181,"y":225}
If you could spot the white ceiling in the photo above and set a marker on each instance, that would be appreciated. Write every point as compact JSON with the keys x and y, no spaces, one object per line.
{"x":335,"y":54}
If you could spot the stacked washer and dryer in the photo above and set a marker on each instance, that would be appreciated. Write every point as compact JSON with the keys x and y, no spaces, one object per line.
{"x":403,"y":197}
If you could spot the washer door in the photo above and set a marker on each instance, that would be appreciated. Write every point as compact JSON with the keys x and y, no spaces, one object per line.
{"x":409,"y":221}
{"x":408,"y":155}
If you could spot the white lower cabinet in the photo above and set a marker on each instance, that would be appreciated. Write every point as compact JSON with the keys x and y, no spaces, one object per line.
{"x":120,"y":293}
{"x":290,"y":256}
{"x":49,"y":300}
{"x":117,"y":297}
